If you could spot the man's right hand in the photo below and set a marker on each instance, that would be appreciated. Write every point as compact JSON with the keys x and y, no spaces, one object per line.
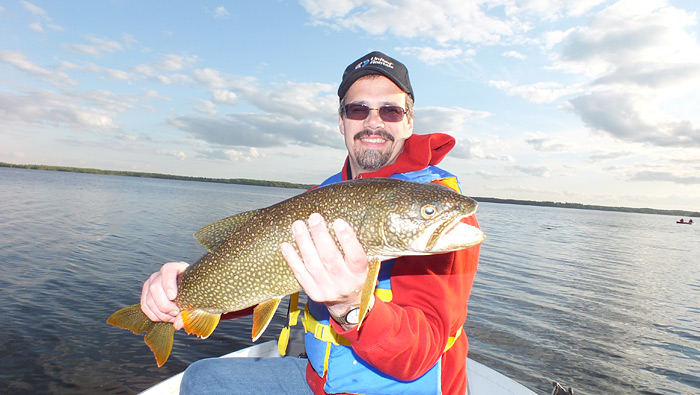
{"x":158,"y":293}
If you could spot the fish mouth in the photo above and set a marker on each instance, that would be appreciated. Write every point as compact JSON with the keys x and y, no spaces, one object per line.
{"x":454,"y":235}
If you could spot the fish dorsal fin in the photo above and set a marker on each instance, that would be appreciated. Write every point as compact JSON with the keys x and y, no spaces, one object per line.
{"x":262,"y":315}
{"x":200,"y":322}
{"x":368,"y":288}
{"x":217,"y":232}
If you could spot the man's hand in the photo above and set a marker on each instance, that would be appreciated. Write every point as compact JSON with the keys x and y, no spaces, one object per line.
{"x":158,"y":293}
{"x":327,"y":275}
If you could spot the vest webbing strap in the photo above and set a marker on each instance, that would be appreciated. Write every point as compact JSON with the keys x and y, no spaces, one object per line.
{"x":292,"y":317}
{"x":327,"y":334}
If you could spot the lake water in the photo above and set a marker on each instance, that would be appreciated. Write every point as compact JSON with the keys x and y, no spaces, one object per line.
{"x":607,"y":303}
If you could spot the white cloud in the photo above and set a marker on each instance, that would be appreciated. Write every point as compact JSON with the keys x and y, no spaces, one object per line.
{"x":174,"y":153}
{"x":20,"y":61}
{"x":97,"y":46}
{"x":631,"y":33}
{"x":445,"y":21}
{"x":224,"y":96}
{"x":442,"y":21}
{"x":36,"y":26}
{"x":541,"y":142}
{"x":206,"y":107}
{"x":258,"y":130}
{"x":89,"y":67}
{"x":220,"y":12}
{"x":535,"y":171}
{"x":215,"y":79}
{"x":633,"y":118}
{"x":473,"y":148}
{"x":636,"y":67}
{"x":33,"y":9}
{"x":173,"y":62}
{"x":50,"y":108}
{"x":435,"y":55}
{"x":514,"y":54}
{"x":601,"y":156}
{"x":538,"y":92}
{"x":451,"y":120}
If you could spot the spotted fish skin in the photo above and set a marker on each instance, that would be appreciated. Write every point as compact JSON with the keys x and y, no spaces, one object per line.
{"x":245,"y":267}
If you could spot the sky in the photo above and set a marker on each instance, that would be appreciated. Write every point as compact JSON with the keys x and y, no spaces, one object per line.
{"x":585,"y":101}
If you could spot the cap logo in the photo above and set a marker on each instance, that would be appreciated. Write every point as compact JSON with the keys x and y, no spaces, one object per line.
{"x":374,"y":60}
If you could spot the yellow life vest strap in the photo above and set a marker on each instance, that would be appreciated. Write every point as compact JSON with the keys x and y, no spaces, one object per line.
{"x":327,"y":334}
{"x":450,"y":182}
{"x":292,"y":317}
{"x":384,"y":294}
{"x":321,"y":331}
{"x":452,"y":339}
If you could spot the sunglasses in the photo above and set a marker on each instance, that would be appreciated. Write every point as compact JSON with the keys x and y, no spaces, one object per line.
{"x":360,"y":112}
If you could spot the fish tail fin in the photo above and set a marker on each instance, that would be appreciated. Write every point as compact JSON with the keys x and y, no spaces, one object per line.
{"x":159,"y":335}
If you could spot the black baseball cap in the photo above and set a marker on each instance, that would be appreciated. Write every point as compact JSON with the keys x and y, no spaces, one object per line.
{"x":376,"y":63}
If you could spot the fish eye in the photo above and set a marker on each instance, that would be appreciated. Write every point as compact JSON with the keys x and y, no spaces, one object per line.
{"x":428,"y":211}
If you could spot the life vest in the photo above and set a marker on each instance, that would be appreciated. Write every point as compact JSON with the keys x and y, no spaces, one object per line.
{"x":331,"y":354}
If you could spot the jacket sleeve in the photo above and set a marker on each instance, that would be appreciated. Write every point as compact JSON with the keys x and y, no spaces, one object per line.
{"x":405,"y":337}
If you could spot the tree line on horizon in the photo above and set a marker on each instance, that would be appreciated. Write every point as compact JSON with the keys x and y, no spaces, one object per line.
{"x":284,"y":184}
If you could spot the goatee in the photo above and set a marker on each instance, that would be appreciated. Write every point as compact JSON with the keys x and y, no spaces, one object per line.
{"x":370,"y":159}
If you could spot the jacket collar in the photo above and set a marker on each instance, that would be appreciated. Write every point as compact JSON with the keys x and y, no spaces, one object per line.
{"x":419,"y":152}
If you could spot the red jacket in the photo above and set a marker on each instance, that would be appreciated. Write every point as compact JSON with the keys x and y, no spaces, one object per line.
{"x":405,"y":337}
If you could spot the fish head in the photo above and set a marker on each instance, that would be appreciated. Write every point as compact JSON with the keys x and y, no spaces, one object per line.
{"x":424,"y":218}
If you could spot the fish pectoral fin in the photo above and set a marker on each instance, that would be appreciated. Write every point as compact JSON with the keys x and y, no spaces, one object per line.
{"x":199,"y":322}
{"x":368,"y":288}
{"x":262,"y":315}
{"x":217,"y":232}
{"x":159,"y":335}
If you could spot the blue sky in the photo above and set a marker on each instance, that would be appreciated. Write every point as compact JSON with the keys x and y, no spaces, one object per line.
{"x":586,"y":101}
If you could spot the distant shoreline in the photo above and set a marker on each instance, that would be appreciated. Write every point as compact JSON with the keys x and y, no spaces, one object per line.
{"x":284,"y":184}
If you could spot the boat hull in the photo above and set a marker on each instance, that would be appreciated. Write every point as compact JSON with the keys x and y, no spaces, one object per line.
{"x":481,"y":379}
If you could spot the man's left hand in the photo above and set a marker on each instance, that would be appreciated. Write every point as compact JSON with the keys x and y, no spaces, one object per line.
{"x":327,"y":275}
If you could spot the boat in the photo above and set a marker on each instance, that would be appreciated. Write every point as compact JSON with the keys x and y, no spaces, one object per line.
{"x":685,"y":222}
{"x":481,"y":379}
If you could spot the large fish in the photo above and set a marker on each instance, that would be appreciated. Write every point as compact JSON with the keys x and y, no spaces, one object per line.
{"x":244,"y":266}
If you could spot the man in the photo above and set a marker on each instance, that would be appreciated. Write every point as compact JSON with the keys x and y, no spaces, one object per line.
{"x":411,"y":340}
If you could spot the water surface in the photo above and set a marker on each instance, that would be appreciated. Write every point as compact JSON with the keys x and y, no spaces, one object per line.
{"x":604,"y":302}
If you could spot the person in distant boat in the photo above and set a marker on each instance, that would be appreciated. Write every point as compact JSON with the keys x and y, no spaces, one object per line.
{"x":690,"y":221}
{"x":682,"y":221}
{"x":411,"y":341}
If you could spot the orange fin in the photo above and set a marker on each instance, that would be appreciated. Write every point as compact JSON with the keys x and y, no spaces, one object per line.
{"x":160,"y":340}
{"x":262,"y":315}
{"x":159,"y":335}
{"x":368,"y":288}
{"x":199,"y":322}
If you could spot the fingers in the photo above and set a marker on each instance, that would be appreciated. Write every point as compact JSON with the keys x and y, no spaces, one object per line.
{"x":169,"y":279}
{"x":320,"y":267}
{"x":318,"y":249}
{"x":298,"y":268}
{"x":158,"y":292}
{"x":355,"y":255}
{"x":307,"y":268}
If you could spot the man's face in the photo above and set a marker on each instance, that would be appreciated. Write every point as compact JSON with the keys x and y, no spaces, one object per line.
{"x":372,"y":142}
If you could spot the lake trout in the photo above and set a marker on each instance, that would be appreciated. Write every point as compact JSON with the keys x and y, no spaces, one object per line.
{"x":245,"y":267}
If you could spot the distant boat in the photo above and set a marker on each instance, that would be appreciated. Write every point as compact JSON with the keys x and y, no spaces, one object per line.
{"x":686,"y":222}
